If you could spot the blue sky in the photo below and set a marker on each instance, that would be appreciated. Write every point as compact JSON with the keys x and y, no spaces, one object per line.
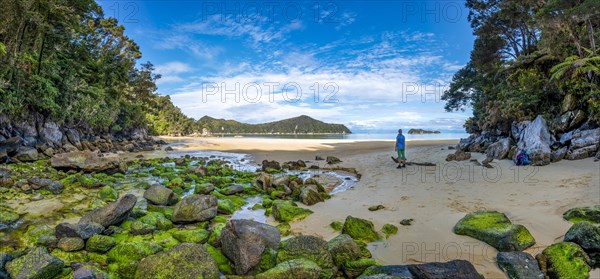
{"x":367,"y":64}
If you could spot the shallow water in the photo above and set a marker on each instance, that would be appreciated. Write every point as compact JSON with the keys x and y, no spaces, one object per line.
{"x":247,"y":213}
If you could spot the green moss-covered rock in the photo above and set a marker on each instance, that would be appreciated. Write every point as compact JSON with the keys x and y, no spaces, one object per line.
{"x":70,"y":244}
{"x":360,"y":229}
{"x":184,"y":261}
{"x":389,"y":229}
{"x":337,"y":226}
{"x":42,"y":235}
{"x":343,"y":249}
{"x":284,"y":229}
{"x":157,"y":220}
{"x":295,"y":268}
{"x":586,"y":235}
{"x":167,"y":211}
{"x":37,"y":264}
{"x":7,"y":216}
{"x":222,"y":262}
{"x":268,"y":260}
{"x":352,"y":269}
{"x":69,"y":258}
{"x":204,"y":188}
{"x":287,"y":213}
{"x":590,"y":214}
{"x":495,"y":229}
{"x":308,"y":247}
{"x":139,"y":228}
{"x":225,"y":206}
{"x":108,"y":194}
{"x":124,"y":258}
{"x":564,"y":260}
{"x":310,"y":196}
{"x":164,"y":239}
{"x":191,"y":236}
{"x":100,"y":243}
{"x":215,"y":235}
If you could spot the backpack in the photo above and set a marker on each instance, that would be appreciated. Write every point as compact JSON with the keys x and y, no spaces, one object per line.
{"x":522,"y":158}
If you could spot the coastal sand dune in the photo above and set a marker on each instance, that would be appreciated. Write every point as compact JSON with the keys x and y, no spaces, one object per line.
{"x":435,"y":197}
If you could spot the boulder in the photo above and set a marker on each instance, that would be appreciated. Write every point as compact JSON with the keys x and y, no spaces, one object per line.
{"x":590,"y":214}
{"x":26,"y":154}
{"x":558,"y":154}
{"x":332,"y":160}
{"x":587,"y":236}
{"x":184,"y":261}
{"x":86,"y":161}
{"x":232,"y":189}
{"x":353,"y":269}
{"x":160,"y":195}
{"x":73,"y":137}
{"x":499,"y":150}
{"x":582,"y":153}
{"x":112,"y":214}
{"x":519,"y":265}
{"x":310,"y":196}
{"x":452,"y":269}
{"x":35,"y":264}
{"x":288,"y":213}
{"x":307,"y":247}
{"x":243,"y":242}
{"x":274,"y":165}
{"x":88,"y":272}
{"x":69,"y":244}
{"x":10,"y":145}
{"x":360,"y":229}
{"x":295,"y":268}
{"x":51,"y":132}
{"x":81,"y":230}
{"x":518,"y":128}
{"x":100,"y":243}
{"x":343,"y":249}
{"x":495,"y":229}
{"x":125,"y":257}
{"x":536,"y":140}
{"x":195,"y":208}
{"x":204,"y":188}
{"x":564,"y":260}
{"x":264,"y":180}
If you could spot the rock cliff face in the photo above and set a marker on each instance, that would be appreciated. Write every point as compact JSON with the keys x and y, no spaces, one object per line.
{"x":543,"y":141}
{"x":37,"y":138}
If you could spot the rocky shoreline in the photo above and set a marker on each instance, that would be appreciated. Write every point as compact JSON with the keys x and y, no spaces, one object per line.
{"x":171,"y":218}
{"x":37,"y":139}
{"x":568,"y":138}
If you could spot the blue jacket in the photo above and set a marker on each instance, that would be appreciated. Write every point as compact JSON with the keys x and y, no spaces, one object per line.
{"x":400,"y":141}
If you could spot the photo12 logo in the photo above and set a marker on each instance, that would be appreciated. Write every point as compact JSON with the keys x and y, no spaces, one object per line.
{"x":271,"y":11}
{"x":254,"y":92}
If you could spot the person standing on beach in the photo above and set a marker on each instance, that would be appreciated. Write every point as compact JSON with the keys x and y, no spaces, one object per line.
{"x":400,"y":149}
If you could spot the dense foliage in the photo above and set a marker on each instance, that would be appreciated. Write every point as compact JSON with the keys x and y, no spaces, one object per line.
{"x":297,"y":125}
{"x":528,"y":57}
{"x":65,"y":61}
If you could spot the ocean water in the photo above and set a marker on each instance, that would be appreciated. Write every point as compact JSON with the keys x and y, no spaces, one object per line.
{"x":454,"y":135}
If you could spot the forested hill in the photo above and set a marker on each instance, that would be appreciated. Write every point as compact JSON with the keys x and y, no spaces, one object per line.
{"x":65,"y":66}
{"x":298,"y":125}
{"x":530,"y":58}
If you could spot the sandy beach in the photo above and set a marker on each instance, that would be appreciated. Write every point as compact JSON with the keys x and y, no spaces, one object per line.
{"x":435,"y":197}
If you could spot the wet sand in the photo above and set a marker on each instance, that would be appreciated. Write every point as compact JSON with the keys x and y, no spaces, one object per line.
{"x":435,"y":197}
